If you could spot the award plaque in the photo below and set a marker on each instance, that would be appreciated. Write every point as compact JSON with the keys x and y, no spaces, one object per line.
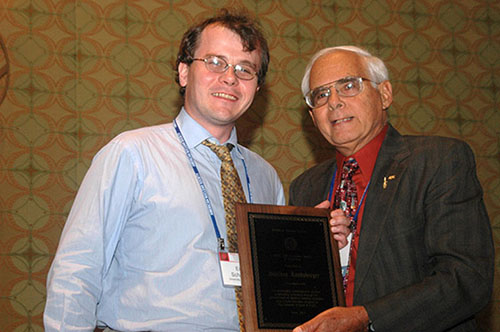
{"x":290,"y":266}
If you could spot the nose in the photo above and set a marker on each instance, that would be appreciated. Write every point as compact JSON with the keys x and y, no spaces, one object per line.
{"x":229,"y":76}
{"x":334,"y":100}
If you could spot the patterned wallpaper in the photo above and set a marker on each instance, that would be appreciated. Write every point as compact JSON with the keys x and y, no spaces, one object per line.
{"x":82,"y":71}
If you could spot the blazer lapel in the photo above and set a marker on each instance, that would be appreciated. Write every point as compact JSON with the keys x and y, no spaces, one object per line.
{"x":384,"y":183}
{"x":320,"y":181}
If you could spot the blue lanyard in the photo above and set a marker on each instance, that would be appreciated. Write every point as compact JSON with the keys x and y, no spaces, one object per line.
{"x":330,"y":195}
{"x":220,"y":240}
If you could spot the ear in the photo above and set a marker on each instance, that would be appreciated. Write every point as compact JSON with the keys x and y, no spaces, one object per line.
{"x":183,"y":70}
{"x":312,"y":117}
{"x":385,"y":89}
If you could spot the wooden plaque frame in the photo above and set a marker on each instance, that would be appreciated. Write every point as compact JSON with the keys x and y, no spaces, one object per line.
{"x":253,"y":222}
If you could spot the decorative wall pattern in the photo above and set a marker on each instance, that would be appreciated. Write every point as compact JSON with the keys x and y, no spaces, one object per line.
{"x":82,"y":71}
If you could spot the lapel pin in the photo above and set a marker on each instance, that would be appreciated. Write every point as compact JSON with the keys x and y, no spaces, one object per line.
{"x":390,"y":177}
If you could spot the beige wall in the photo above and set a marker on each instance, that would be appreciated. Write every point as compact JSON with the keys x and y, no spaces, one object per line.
{"x":82,"y":71}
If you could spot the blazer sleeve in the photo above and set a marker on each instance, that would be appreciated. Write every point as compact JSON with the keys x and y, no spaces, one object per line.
{"x":438,"y":272}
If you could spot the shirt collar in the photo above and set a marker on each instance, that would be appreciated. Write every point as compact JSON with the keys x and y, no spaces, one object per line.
{"x":367,"y":156}
{"x":194,"y":133}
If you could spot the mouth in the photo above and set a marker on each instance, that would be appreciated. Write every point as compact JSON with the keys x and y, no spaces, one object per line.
{"x":224,"y":96}
{"x":342,"y":120}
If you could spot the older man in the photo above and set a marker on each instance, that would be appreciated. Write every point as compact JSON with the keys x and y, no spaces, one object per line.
{"x":420,"y":257}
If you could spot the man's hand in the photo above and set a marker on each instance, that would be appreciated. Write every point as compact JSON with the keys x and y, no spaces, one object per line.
{"x":339,"y":224}
{"x":337,"y":319}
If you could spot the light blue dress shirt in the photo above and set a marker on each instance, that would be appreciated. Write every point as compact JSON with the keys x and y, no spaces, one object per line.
{"x":139,"y":251}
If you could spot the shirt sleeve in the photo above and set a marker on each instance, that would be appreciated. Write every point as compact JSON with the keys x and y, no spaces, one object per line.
{"x":89,"y":238}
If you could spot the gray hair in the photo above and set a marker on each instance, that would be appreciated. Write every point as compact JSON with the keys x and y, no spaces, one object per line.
{"x":377,"y":71}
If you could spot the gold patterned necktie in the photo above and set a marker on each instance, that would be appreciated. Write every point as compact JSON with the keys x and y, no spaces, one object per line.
{"x":232,"y":192}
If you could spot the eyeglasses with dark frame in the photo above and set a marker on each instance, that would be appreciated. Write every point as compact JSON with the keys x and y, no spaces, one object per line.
{"x":218,"y":65}
{"x":349,"y":86}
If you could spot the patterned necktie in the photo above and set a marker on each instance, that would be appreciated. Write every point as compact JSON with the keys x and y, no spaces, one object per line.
{"x":346,"y":198}
{"x":232,"y":192}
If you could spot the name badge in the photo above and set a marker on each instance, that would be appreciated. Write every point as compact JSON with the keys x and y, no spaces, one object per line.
{"x":230,"y":269}
{"x":344,"y":255}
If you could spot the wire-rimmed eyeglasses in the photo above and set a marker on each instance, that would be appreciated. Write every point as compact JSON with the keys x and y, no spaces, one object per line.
{"x":219,"y":65}
{"x":349,"y":86}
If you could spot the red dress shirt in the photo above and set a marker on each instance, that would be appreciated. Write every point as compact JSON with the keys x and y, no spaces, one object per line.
{"x":366,"y":158}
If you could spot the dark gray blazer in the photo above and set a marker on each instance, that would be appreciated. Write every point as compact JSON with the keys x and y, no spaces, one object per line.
{"x":425,"y":257}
